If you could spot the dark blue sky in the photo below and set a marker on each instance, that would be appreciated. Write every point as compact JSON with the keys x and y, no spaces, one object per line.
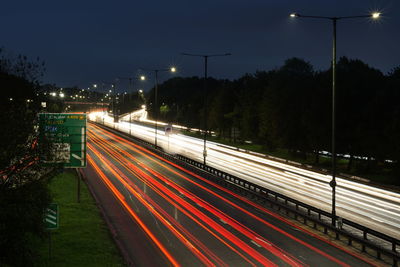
{"x":87,"y":41}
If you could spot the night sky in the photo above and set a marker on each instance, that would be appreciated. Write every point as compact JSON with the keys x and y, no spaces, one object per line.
{"x":85,"y":42}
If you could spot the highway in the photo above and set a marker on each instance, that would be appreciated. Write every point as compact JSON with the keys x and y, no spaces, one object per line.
{"x":182,"y":219}
{"x":376,"y":208}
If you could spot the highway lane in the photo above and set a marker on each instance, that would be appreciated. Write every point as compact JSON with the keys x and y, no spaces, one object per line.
{"x":376,"y":208}
{"x":192,"y":221}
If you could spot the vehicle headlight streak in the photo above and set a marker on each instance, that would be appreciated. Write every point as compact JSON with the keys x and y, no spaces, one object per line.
{"x":130,"y":145}
{"x":383,"y":205}
{"x":245,"y":247}
{"x":121,"y":198}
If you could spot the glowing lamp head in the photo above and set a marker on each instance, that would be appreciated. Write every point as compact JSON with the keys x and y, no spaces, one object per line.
{"x":142,"y":78}
{"x":173,"y":69}
{"x":293,"y":15}
{"x":375,"y":15}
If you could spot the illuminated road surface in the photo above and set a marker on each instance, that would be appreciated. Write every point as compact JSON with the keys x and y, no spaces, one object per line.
{"x":375,"y":208}
{"x":189,"y":221}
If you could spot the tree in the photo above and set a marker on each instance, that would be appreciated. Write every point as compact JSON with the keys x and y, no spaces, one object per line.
{"x":285,"y":108}
{"x":359,"y":112}
{"x":392,"y":118}
{"x":23,"y":189}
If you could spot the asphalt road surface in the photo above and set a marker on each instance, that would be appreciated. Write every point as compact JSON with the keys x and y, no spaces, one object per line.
{"x":367,"y":205}
{"x":164,"y":215}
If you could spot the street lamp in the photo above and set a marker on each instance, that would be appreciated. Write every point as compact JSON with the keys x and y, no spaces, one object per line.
{"x":131,"y":81}
{"x":156,"y":71}
{"x":334,"y":20}
{"x":113,"y":100}
{"x":205,"y":95}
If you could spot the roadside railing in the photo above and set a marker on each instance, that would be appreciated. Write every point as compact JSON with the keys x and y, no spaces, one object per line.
{"x":367,"y":240}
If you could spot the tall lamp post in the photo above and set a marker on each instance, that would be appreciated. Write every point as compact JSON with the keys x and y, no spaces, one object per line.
{"x":205,"y":95}
{"x":334,"y":20}
{"x":113,"y":101}
{"x":132,"y":81}
{"x":156,"y":71}
{"x":131,"y":89}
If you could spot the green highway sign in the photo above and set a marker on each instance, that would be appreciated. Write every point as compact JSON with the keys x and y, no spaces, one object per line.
{"x":51,"y":217}
{"x":62,"y":137}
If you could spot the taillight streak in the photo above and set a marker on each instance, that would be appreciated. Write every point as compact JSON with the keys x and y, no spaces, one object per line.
{"x":244,"y":230}
{"x":132,"y":146}
{"x":172,"y":200}
{"x":134,"y":216}
{"x":154,"y":208}
{"x":131,"y":168}
{"x":266,"y":244}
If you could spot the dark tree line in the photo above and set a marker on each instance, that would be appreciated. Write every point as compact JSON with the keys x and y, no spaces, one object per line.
{"x":23,"y":191}
{"x":290,"y":108}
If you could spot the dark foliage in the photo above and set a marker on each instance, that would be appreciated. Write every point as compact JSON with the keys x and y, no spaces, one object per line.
{"x":23,"y":191}
{"x":291,"y":108}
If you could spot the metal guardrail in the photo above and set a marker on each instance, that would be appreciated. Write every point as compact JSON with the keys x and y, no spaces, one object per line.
{"x":309,"y":213}
{"x":299,"y":210}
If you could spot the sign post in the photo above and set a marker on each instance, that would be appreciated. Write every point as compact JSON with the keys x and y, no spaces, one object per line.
{"x":64,"y":136}
{"x":51,"y":221}
{"x":168,"y":131}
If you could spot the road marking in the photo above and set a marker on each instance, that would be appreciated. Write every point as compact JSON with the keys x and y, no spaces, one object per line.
{"x":255,"y":243}
{"x":259,"y":239}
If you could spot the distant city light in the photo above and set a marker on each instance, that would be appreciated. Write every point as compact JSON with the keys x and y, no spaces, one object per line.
{"x":62,"y":95}
{"x":142,"y":78}
{"x":173,"y":69}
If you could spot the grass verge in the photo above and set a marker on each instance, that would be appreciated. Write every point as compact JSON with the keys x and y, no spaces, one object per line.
{"x":83,"y":238}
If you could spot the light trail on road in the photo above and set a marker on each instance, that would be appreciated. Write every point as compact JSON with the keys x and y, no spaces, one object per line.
{"x":232,"y":238}
{"x":373,"y":207}
{"x":197,"y":221}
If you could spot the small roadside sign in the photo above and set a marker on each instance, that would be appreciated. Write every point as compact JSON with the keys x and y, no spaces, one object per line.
{"x":51,"y":217}
{"x":168,"y":129}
